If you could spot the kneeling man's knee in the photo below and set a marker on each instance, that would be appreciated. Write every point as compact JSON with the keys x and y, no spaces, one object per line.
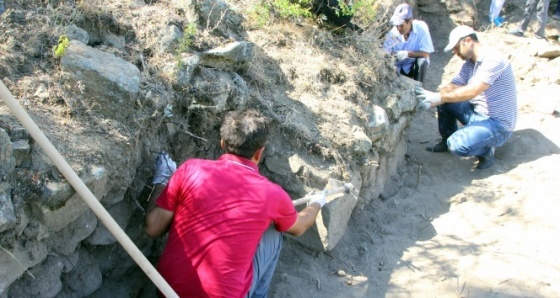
{"x":456,"y":148}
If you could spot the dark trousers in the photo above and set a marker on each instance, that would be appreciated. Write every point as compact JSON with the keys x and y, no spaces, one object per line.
{"x":418,"y":70}
{"x":532,"y":7}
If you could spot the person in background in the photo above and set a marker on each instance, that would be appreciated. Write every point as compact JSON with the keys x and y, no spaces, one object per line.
{"x":556,"y":14}
{"x":410,"y":42}
{"x":225,"y":220}
{"x":495,"y":9}
{"x":532,"y":6}
{"x":482,"y":96}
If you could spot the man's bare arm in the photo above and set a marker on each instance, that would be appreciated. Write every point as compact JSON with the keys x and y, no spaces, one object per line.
{"x":157,"y":219}
{"x":305,"y":220}
{"x":455,"y":93}
{"x":418,"y":54}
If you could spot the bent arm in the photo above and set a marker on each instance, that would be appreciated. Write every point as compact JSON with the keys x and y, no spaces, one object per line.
{"x":455,"y":93}
{"x":305,"y":220}
{"x":418,"y":54}
{"x":157,"y":219}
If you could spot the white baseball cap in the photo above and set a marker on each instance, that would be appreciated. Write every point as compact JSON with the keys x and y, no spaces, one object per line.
{"x":402,"y":13}
{"x":456,"y":34}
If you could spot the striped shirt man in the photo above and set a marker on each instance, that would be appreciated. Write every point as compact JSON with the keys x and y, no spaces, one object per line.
{"x":500,"y":100}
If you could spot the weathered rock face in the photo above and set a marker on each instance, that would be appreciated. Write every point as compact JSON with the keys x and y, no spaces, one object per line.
{"x":106,"y":83}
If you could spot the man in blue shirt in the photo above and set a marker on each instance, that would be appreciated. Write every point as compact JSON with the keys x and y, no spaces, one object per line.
{"x":410,"y":42}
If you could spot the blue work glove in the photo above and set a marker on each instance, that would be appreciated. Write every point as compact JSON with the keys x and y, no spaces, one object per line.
{"x":319,"y":198}
{"x":401,"y":55}
{"x":165,"y":167}
{"x":427,"y":98}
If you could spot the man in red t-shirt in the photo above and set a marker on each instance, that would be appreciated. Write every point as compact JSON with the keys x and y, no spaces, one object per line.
{"x":219,"y":212}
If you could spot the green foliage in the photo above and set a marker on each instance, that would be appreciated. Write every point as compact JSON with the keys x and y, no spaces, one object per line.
{"x":63,"y":43}
{"x":365,"y":11}
{"x":345,"y":9}
{"x":292,"y":8}
{"x":367,"y":8}
{"x":189,"y":31}
{"x":259,"y":15}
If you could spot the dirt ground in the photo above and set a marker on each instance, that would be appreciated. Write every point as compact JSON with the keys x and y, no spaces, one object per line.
{"x":443,"y":229}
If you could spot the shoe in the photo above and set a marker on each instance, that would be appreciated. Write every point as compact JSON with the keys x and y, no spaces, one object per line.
{"x":486,"y":161}
{"x":498,"y":21}
{"x":537,"y":36}
{"x":516,"y":32}
{"x":439,"y":147}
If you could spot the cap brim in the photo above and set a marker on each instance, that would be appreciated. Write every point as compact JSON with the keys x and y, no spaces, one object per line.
{"x":451,"y":45}
{"x":396,"y":21}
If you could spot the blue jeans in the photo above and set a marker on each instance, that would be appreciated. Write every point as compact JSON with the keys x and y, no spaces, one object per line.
{"x":265,"y":261}
{"x":478,"y":134}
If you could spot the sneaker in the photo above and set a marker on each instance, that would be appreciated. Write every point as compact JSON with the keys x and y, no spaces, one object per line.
{"x":439,"y":147}
{"x":537,"y":36}
{"x":486,"y":161}
{"x":498,"y":21}
{"x":516,"y":32}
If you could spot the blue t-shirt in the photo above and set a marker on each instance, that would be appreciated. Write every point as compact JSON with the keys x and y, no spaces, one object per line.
{"x":419,"y":40}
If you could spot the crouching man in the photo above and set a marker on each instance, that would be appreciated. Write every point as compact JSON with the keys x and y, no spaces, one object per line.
{"x":225,"y":220}
{"x":410,"y":42}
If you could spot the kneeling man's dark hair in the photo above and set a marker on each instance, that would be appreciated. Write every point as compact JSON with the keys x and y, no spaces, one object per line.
{"x":244,"y":132}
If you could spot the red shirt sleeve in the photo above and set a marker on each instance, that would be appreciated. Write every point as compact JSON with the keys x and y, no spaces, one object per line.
{"x":285,"y":214}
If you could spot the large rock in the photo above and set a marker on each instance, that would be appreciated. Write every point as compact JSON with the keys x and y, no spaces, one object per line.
{"x":220,"y":89}
{"x":16,"y":260}
{"x":402,"y":102}
{"x":232,"y":56}
{"x":56,"y":218}
{"x":220,"y":17}
{"x":83,"y":279}
{"x":121,"y":212}
{"x":44,"y":281}
{"x":7,"y":215}
{"x":65,"y":241}
{"x":378,"y":123}
{"x":7,"y":165}
{"x":550,"y":52}
{"x":332,"y":221}
{"x":103,"y":82}
{"x":21,"y":149}
{"x":182,"y":73}
{"x":7,"y":161}
{"x":76,"y":33}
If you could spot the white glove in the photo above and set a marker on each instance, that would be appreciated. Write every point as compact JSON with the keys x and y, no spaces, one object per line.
{"x":427,"y":98}
{"x":401,"y":55}
{"x":165,"y":167}
{"x":319,"y":198}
